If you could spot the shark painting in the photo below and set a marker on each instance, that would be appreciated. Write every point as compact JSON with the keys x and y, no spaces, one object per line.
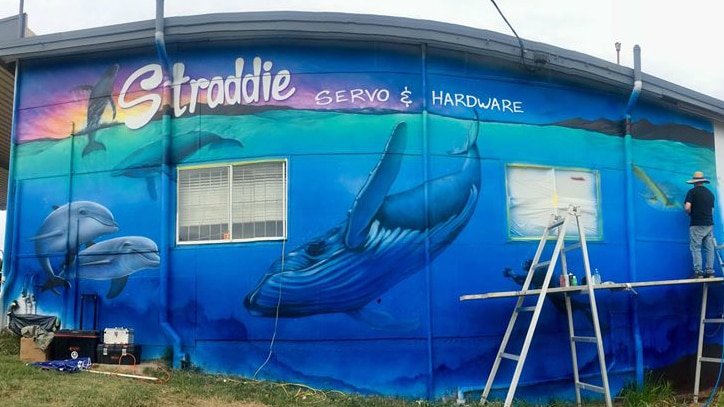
{"x":101,"y":96}
{"x":381,"y":243}
{"x":115,"y":259}
{"x":144,"y":162}
{"x":66,"y":229}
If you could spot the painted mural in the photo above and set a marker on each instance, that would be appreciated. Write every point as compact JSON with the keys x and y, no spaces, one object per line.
{"x":409,"y":185}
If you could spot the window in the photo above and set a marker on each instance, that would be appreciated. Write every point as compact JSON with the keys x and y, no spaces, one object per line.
{"x":534,"y":193}
{"x":244,"y":201}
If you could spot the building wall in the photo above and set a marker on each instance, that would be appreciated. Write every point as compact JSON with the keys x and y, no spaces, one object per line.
{"x":415,"y":176}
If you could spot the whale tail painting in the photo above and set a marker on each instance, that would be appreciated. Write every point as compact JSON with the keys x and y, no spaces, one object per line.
{"x":381,"y":243}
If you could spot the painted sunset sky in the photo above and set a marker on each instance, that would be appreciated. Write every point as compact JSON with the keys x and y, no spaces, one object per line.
{"x":53,"y":98}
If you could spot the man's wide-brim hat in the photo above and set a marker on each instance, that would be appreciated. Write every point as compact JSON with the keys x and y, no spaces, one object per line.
{"x":698,"y":178}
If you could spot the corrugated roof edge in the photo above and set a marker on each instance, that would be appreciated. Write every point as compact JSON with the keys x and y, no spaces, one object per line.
{"x":314,"y":25}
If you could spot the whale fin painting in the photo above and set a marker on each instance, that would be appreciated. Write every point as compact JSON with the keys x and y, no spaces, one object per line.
{"x":64,"y":231}
{"x":101,"y":97}
{"x":116,"y":259}
{"x":380,"y":244}
{"x":143,"y":162}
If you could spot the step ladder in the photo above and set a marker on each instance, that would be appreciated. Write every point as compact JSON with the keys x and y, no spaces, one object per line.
{"x":557,"y":224}
{"x":703,"y":321}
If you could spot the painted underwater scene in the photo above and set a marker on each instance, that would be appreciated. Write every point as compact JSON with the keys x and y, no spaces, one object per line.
{"x":402,"y":330}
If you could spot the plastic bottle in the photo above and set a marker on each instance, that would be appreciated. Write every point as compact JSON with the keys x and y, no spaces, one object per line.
{"x":574,"y":280}
{"x":596,"y":277}
{"x":563,"y":280}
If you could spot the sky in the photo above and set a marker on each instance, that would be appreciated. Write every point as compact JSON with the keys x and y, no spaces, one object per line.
{"x":678,"y":39}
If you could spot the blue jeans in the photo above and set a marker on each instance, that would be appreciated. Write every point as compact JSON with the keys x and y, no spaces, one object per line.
{"x":698,"y":236}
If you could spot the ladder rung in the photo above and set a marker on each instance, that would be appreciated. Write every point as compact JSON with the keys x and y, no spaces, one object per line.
{"x":510,"y":356}
{"x":711,"y":360}
{"x":719,"y":247}
{"x":589,"y":339}
{"x":556,"y":224}
{"x":541,"y":264}
{"x":572,"y":247}
{"x":526,"y":309}
{"x":714,"y":321}
{"x":591,"y":387}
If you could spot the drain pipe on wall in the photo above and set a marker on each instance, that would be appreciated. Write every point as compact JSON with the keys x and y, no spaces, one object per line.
{"x":165,"y":188}
{"x":630,"y":218}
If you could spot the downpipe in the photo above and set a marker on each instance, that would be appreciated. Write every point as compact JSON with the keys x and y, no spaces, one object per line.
{"x":168,"y":330}
{"x":630,"y":218}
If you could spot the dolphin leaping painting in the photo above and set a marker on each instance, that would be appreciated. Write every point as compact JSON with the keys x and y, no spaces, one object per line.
{"x":101,"y":97}
{"x":381,"y":243}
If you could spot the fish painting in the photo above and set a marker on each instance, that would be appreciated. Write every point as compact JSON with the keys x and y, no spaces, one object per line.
{"x":144,"y":162}
{"x":101,"y":97}
{"x":116,"y":259}
{"x":380,"y":243}
{"x":657,"y":195}
{"x":557,"y":299}
{"x":65,"y":230}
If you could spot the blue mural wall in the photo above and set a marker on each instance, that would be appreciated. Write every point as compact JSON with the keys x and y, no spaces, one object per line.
{"x":402,"y":196}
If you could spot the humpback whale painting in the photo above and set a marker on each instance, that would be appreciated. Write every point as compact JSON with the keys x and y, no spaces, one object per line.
{"x":101,"y":97}
{"x":379,"y":244}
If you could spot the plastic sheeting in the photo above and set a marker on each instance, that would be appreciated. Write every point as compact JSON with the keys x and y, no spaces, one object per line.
{"x":18,"y":321}
{"x":67,"y":365}
{"x":534,"y":193}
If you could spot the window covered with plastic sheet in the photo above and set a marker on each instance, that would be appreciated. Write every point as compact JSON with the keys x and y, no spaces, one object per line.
{"x":232,"y":202}
{"x":535,"y":192}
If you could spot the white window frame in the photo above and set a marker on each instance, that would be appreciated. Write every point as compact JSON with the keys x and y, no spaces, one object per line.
{"x":228,"y":235}
{"x":546,"y":197}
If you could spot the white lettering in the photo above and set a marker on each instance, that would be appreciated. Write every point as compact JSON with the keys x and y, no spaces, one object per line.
{"x":442,"y":98}
{"x":153,"y":100}
{"x":178,"y":80}
{"x":259,"y":85}
{"x":323,"y":98}
{"x":353,"y":96}
{"x":215,"y":93}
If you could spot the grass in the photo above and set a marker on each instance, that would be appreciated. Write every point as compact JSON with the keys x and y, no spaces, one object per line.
{"x":22,"y":385}
{"x":653,"y":392}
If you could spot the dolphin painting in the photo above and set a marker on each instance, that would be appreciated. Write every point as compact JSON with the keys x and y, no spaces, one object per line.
{"x":101,"y":96}
{"x":144,"y":162}
{"x":66,"y":229}
{"x":381,"y":243}
{"x":115,"y":259}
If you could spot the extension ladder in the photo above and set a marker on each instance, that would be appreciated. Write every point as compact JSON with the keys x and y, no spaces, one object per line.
{"x":703,"y":320}
{"x":558,"y":224}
